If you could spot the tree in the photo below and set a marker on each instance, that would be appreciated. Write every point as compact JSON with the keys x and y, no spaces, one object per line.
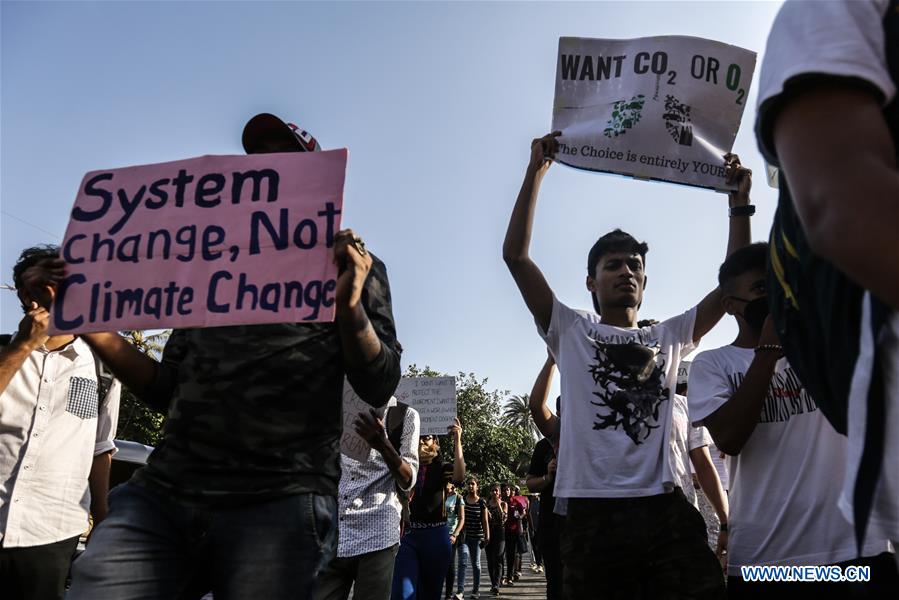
{"x":494,"y":452}
{"x":518,"y":414}
{"x":137,"y":421}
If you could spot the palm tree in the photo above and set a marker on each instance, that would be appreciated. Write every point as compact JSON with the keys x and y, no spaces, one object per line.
{"x":138,"y":422}
{"x":518,"y":414}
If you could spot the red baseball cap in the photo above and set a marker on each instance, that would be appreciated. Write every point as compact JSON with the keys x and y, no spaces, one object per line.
{"x":266,"y":127}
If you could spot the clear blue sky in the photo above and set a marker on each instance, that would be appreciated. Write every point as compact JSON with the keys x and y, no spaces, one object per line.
{"x":437,"y":104}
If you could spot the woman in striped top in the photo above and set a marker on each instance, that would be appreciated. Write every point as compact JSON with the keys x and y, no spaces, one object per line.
{"x":477,"y":536}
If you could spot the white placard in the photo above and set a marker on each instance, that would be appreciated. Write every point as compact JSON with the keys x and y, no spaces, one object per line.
{"x":433,"y":397}
{"x":665,"y":108}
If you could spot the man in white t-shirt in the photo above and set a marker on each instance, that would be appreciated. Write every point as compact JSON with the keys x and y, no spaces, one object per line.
{"x":629,"y":531}
{"x":829,"y":119}
{"x":784,"y":453}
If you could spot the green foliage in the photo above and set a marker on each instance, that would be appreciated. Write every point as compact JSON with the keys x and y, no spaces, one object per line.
{"x":518,"y":414}
{"x":494,"y":452}
{"x":138,"y":422}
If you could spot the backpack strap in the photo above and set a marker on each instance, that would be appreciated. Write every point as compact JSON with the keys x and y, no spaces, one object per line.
{"x":395,"y":418}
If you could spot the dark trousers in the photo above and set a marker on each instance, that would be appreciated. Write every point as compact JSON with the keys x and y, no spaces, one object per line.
{"x":151,"y":546}
{"x":884,"y":584}
{"x":372,"y":574}
{"x":548,"y":539}
{"x":514,"y":550}
{"x":36,"y":572}
{"x":495,"y":550}
{"x":649,"y":548}
{"x":421,"y":564}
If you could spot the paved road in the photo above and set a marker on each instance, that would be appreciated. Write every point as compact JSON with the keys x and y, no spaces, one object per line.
{"x":531,"y":586}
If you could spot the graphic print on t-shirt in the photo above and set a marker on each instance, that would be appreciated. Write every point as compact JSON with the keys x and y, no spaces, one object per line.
{"x":786,"y":396}
{"x":629,"y":376}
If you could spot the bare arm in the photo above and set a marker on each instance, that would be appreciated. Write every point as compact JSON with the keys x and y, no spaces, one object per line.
{"x":98,"y":482}
{"x":31,"y":335}
{"x":364,"y":319}
{"x":709,"y":481}
{"x":836,"y":152}
{"x":485,"y":523}
{"x":546,"y":422}
{"x":528,"y":277}
{"x":539,"y":483}
{"x":458,"y":460}
{"x":461,"y":524}
{"x":133,"y":368}
{"x":709,"y":311}
{"x":733,"y":423}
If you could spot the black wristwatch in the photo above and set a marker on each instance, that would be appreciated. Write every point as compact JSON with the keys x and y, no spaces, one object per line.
{"x":742,"y":211}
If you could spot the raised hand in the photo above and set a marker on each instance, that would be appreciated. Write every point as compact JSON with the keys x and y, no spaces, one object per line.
{"x":353,"y":264}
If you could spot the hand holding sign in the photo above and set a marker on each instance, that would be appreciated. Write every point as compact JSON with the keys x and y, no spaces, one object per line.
{"x":543,"y":151}
{"x":353,"y":264}
{"x":736,"y":174}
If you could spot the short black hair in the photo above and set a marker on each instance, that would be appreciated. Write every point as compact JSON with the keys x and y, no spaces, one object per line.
{"x":614,"y":241}
{"x":748,"y":258}
{"x":29,"y":258}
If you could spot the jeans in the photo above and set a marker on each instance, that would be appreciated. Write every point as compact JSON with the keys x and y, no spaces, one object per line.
{"x":151,"y":546}
{"x":495,"y":551}
{"x":421,"y":564}
{"x":472,"y":552}
{"x":369,"y":575}
{"x":456,"y":556}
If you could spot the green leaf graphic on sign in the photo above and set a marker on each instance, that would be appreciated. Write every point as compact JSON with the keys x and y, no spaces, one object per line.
{"x":625,"y":115}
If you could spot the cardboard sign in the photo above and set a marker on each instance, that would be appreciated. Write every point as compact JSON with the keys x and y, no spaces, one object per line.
{"x":203,"y":242}
{"x":434,"y":398}
{"x":351,"y":443}
{"x":665,"y":108}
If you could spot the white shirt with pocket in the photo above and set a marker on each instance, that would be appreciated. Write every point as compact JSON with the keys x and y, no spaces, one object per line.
{"x":52,"y":425}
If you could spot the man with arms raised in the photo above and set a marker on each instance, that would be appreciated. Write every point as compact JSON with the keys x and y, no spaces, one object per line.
{"x":618,"y":380}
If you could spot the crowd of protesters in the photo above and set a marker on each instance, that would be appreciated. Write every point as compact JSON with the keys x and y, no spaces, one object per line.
{"x":248,"y":496}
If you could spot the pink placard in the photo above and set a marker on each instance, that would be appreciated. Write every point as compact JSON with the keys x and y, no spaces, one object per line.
{"x":203,"y":242}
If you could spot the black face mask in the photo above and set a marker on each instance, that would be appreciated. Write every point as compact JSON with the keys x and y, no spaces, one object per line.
{"x":755,"y":312}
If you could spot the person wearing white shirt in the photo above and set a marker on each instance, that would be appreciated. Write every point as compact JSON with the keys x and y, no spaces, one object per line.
{"x":783,"y":452}
{"x":617,"y":382}
{"x":828,"y":117}
{"x":57,"y":426}
{"x":369,"y":506}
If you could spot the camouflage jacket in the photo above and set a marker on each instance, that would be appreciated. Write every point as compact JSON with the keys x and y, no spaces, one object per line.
{"x":254,"y":412}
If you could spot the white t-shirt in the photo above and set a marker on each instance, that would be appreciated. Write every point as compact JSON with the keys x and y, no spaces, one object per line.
{"x":719,"y":459}
{"x":884,"y":518}
{"x":617,"y":386}
{"x":783,"y":493}
{"x":842,"y":39}
{"x":684,"y":439}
